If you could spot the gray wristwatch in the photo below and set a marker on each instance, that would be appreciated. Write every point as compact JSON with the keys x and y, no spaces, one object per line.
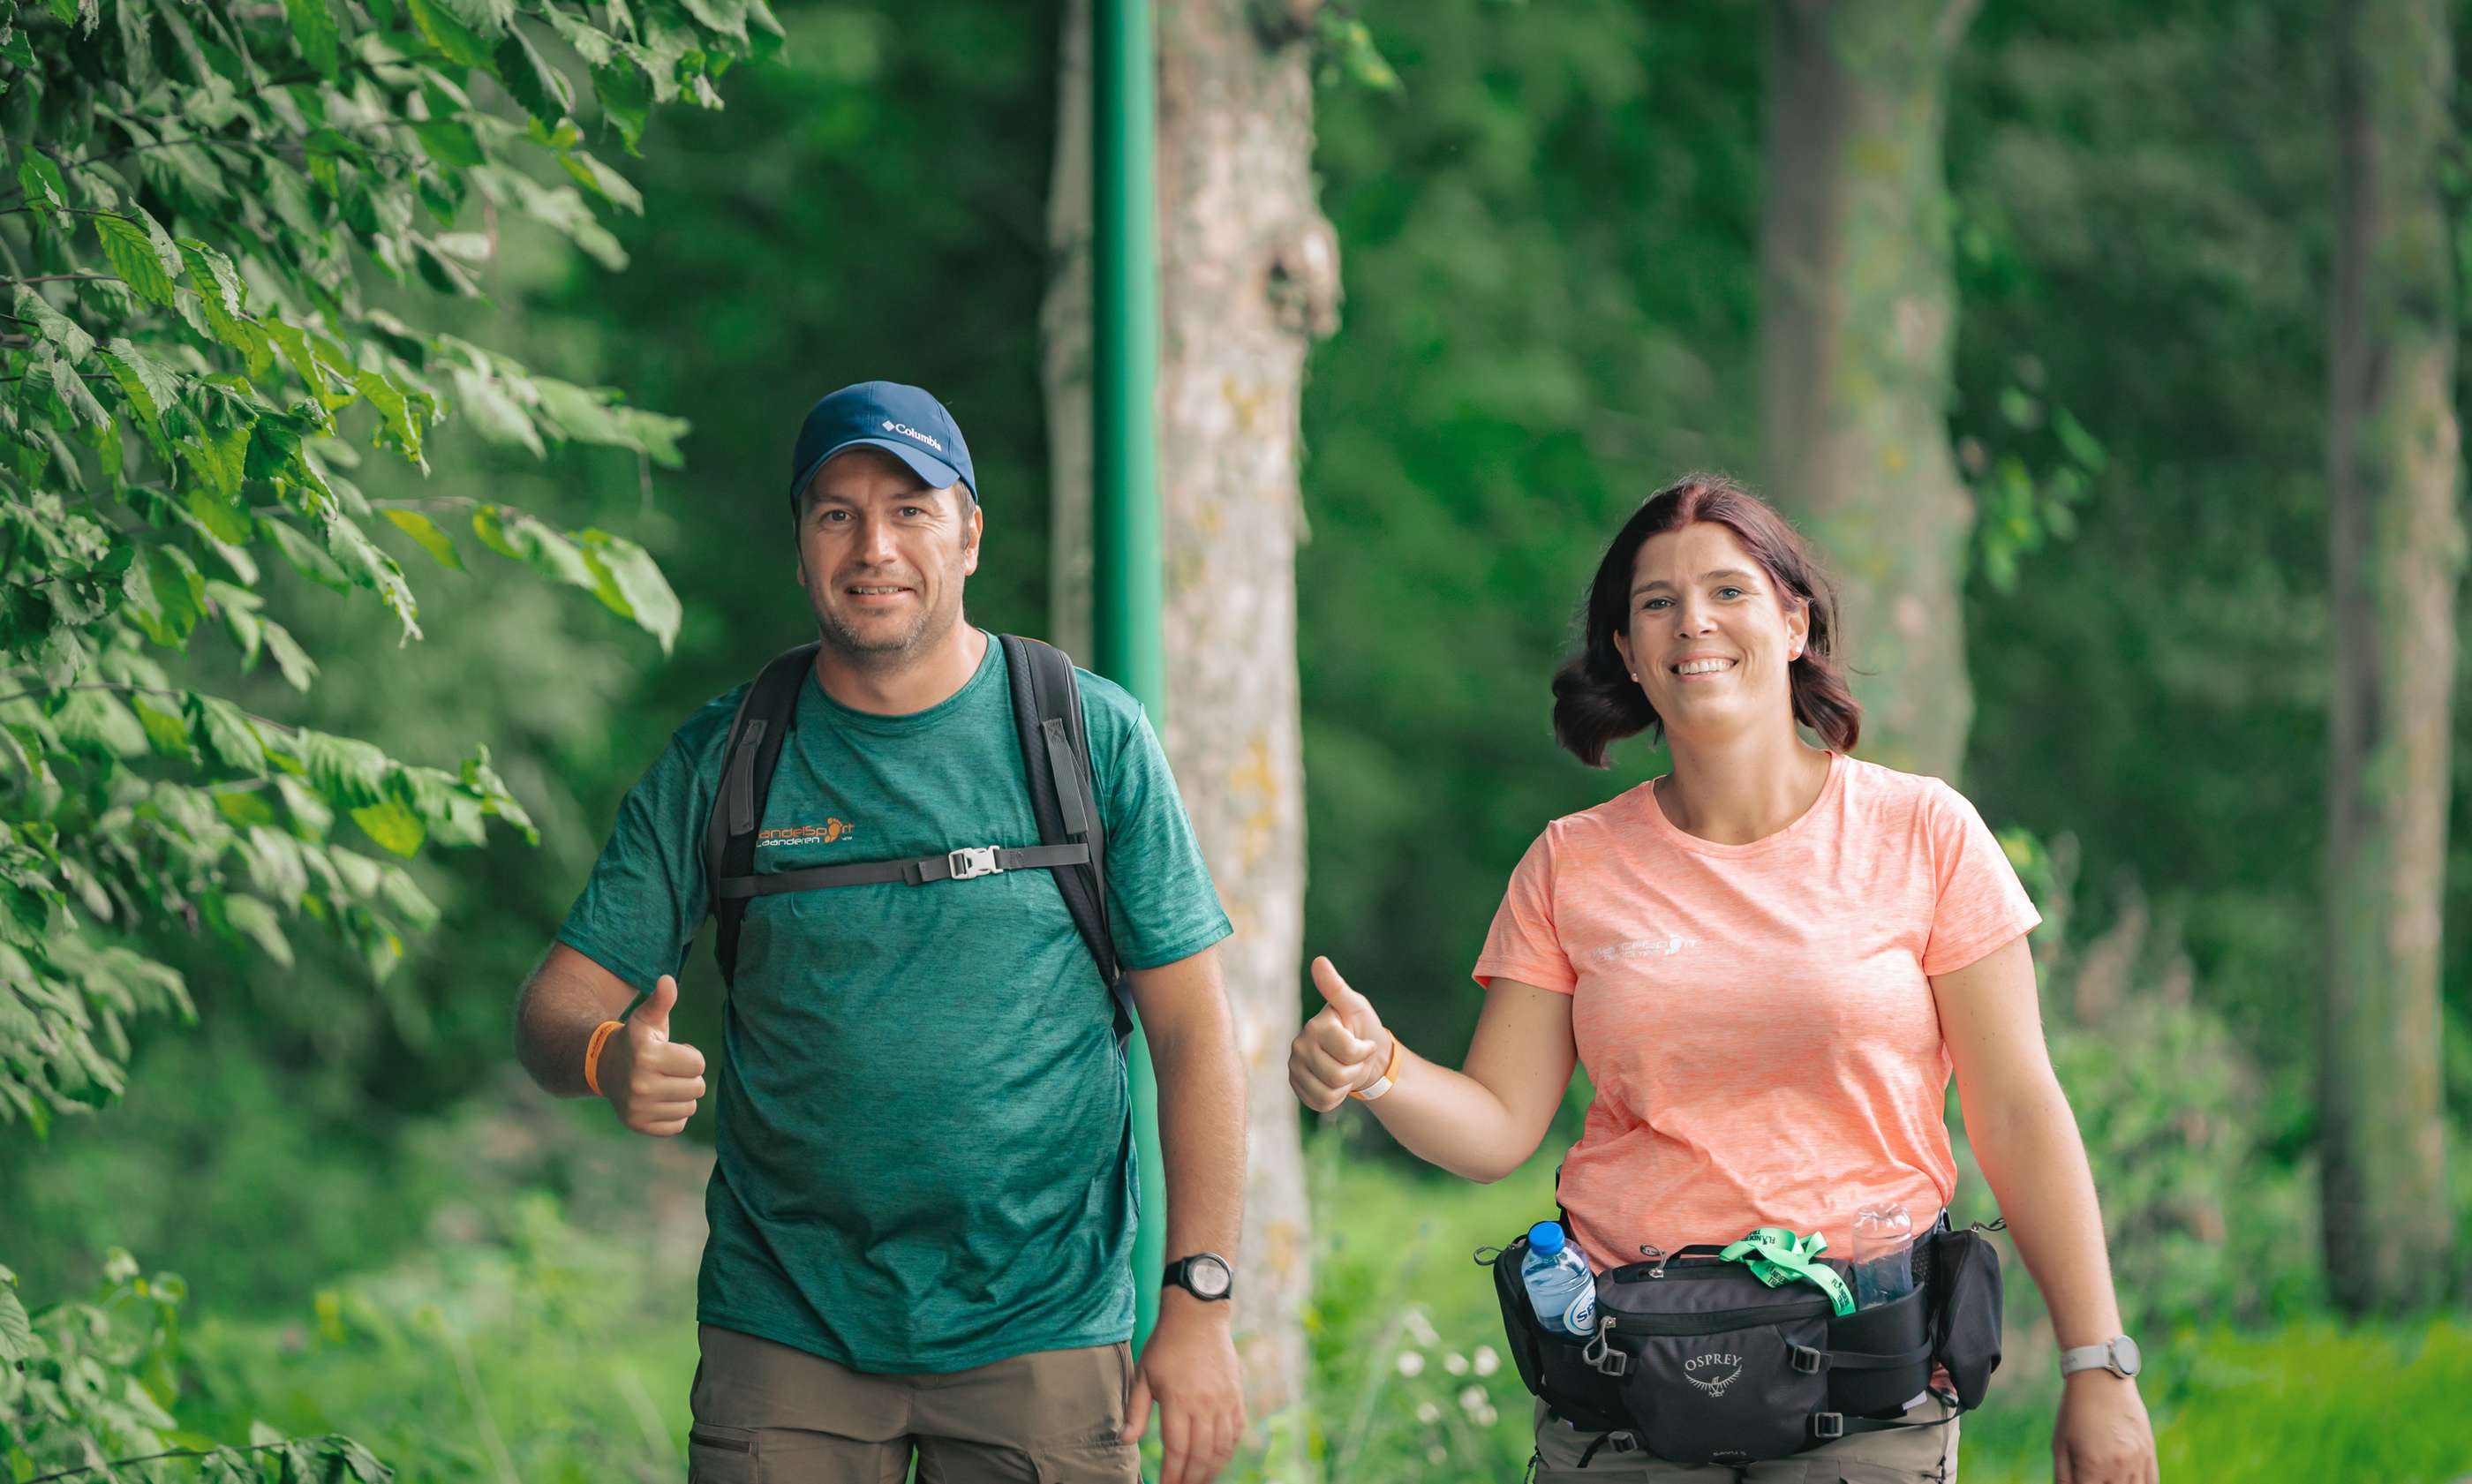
{"x":2117,"y":1355}
{"x":1206,"y":1275}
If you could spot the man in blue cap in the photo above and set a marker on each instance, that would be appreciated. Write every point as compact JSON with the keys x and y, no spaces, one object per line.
{"x":922,"y":1202}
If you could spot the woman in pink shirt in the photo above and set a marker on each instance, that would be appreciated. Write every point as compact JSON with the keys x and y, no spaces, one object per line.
{"x":1771,"y":959}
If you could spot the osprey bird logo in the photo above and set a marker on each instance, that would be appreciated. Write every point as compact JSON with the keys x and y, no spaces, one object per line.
{"x":1713,"y":1372}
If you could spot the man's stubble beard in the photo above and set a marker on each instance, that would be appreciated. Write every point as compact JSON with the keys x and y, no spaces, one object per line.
{"x":894,"y":655}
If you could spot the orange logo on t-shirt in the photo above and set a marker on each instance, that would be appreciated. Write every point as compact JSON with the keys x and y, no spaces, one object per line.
{"x":831,"y":832}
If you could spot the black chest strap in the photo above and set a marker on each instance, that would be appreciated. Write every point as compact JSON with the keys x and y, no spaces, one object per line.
{"x":1055,"y":762}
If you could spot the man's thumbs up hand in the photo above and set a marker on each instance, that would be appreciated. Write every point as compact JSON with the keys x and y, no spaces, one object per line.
{"x":652,"y":1080}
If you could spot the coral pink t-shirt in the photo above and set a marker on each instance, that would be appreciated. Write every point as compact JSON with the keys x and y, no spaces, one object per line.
{"x":1758,"y":1019}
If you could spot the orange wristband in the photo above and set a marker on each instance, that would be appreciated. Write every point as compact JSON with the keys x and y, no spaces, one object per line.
{"x":1383,"y":1083}
{"x":592,"y":1053}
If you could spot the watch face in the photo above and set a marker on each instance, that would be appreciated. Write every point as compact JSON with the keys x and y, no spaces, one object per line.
{"x":2124,"y":1358}
{"x":1207,"y":1277}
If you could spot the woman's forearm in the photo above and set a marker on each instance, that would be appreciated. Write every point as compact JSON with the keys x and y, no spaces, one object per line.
{"x":1449,"y":1118}
{"x":2035,"y":1164}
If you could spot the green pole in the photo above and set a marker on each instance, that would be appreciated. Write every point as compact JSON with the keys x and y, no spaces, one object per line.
{"x":1125,"y":502}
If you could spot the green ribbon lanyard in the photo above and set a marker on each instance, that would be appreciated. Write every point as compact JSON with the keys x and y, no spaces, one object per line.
{"x":1776,"y":1256}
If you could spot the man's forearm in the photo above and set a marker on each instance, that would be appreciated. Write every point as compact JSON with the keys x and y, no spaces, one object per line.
{"x":1201,"y":1139}
{"x":568,"y":997}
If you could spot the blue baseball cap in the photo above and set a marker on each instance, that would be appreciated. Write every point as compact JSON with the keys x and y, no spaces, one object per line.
{"x":904,"y":421}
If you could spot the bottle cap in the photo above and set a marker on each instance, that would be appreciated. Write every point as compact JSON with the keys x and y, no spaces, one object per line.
{"x":1545,"y":1237}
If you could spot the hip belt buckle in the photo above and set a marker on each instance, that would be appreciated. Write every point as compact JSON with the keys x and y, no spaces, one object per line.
{"x":971,"y":861}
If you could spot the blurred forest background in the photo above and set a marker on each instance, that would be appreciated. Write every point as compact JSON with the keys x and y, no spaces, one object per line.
{"x":1547,"y":216}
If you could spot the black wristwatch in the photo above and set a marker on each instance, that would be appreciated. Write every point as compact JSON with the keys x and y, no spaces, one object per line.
{"x":1206,"y":1275}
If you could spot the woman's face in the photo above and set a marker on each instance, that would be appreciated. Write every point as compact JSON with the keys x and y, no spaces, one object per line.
{"x":1710,"y":634}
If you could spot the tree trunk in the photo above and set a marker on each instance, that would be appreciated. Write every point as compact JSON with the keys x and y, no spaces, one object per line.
{"x":2397,"y":548}
{"x":1858,"y":324}
{"x":1249,"y":280}
{"x":1066,"y":333}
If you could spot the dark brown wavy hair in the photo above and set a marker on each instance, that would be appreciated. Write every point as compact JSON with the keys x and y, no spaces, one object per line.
{"x":1597,"y":703}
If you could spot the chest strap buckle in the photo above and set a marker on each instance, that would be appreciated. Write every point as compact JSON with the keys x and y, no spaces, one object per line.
{"x":972,"y":862}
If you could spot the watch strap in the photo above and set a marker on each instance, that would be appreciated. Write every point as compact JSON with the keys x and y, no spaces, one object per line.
{"x":2090,"y":1357}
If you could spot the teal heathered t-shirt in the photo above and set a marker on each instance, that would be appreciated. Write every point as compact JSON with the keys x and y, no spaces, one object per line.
{"x":926,"y":1154}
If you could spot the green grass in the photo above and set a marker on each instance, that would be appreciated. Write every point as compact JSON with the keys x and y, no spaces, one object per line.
{"x":531,"y":1348}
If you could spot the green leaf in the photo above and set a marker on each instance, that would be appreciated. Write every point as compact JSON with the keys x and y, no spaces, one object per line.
{"x":215,"y":277}
{"x":2082,"y":445}
{"x":142,"y":254}
{"x":136,"y":43}
{"x":490,"y":18}
{"x":397,"y":424}
{"x":74,"y":343}
{"x":541,"y":89}
{"x":297,"y":668}
{"x":179,"y":589}
{"x":348,"y":770}
{"x":510,"y":532}
{"x":602,"y":181}
{"x":726,"y":17}
{"x":165,"y":730}
{"x":632,"y":584}
{"x":16,"y":1332}
{"x":449,"y":142}
{"x":148,"y":385}
{"x":40,"y":180}
{"x":594,"y":47}
{"x":494,"y":415}
{"x":226,"y":521}
{"x":257,"y":921}
{"x":440,"y":270}
{"x":446,"y":31}
{"x":231,"y":740}
{"x":625,"y":99}
{"x":409,"y":901}
{"x":311,"y":818}
{"x":391,"y":825}
{"x":368,"y":565}
{"x":220,"y":459}
{"x":222,"y":301}
{"x":96,"y":721}
{"x":313,"y":26}
{"x":307,"y":557}
{"x":302,"y":356}
{"x":364,"y":1463}
{"x":70,"y":388}
{"x":422,"y":529}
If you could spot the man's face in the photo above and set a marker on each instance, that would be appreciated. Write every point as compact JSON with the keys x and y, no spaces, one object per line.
{"x":883,"y":557}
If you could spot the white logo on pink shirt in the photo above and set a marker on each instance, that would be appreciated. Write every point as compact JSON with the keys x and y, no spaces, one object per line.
{"x":1643,"y":948}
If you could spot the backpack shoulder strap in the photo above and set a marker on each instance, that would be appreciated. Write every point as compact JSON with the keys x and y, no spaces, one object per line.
{"x":764,"y":714}
{"x":1063,"y":792}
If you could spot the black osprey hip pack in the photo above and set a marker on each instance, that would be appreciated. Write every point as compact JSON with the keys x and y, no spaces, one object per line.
{"x":1696,"y":1360}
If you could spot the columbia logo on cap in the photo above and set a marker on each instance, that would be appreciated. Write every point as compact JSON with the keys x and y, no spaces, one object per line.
{"x":905,"y":428}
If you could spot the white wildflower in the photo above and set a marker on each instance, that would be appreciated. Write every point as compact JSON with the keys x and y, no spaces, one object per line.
{"x":1455,"y":1364}
{"x":1421,"y":1326}
{"x":1487,"y":1361}
{"x":1412,"y":1362}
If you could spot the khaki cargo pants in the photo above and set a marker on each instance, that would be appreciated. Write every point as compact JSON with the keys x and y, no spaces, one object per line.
{"x":770,"y":1414}
{"x":1896,"y":1456}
